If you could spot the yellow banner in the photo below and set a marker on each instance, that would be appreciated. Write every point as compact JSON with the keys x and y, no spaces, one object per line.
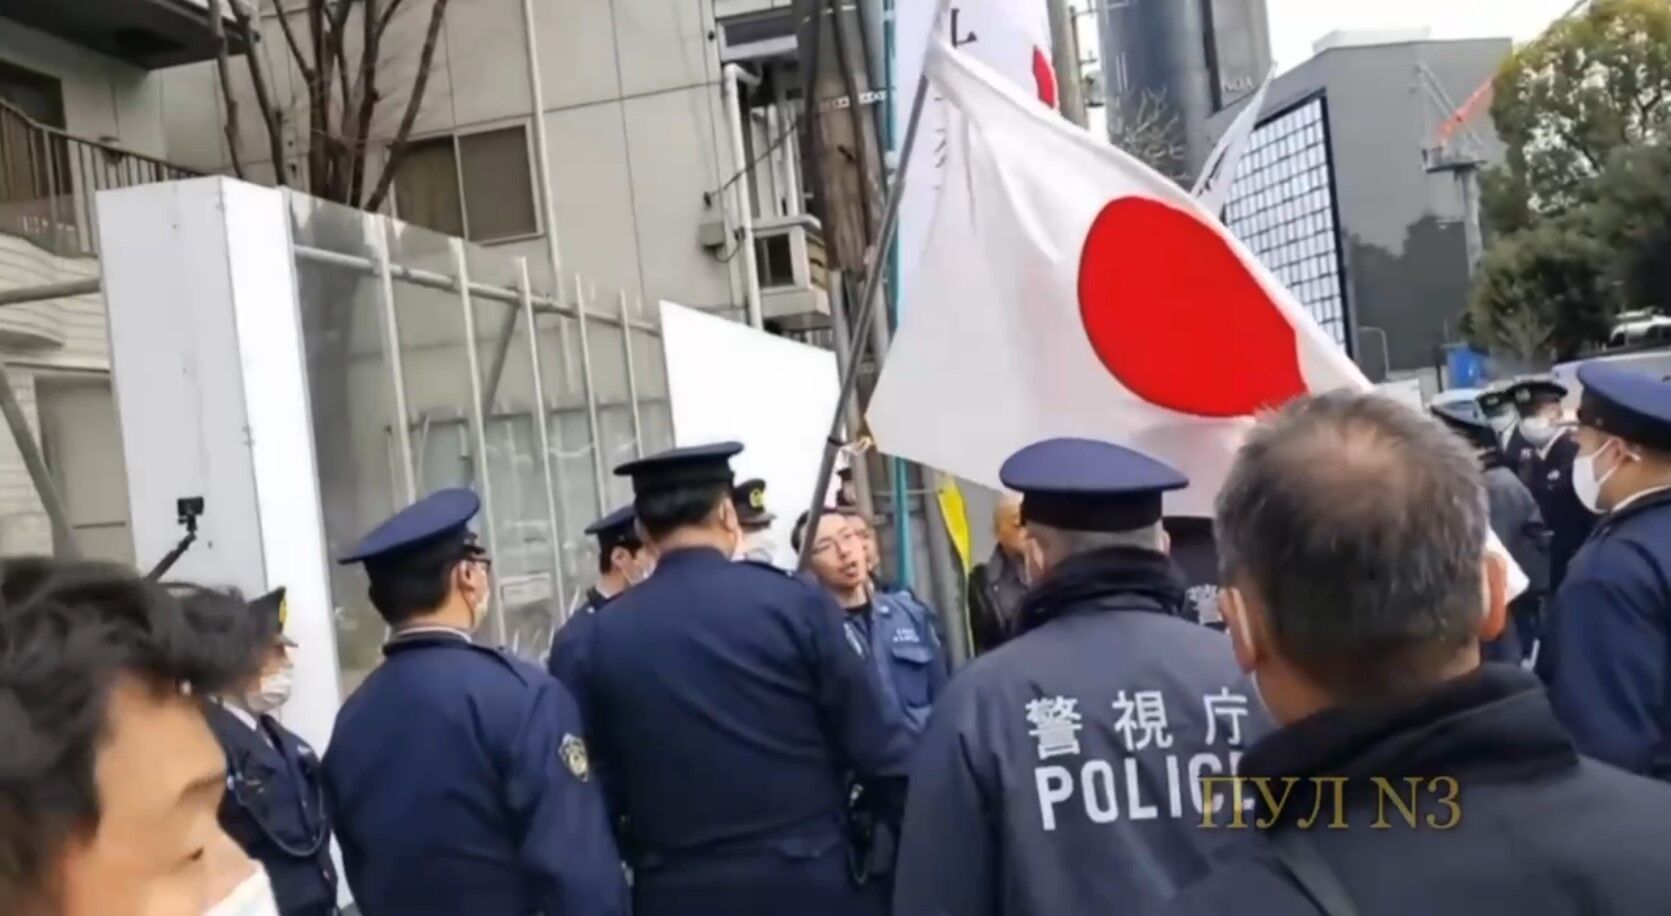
{"x":957,"y":520}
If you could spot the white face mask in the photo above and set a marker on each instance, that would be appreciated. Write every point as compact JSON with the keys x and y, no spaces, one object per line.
{"x":273,"y":692}
{"x":1585,"y":483}
{"x":254,"y":897}
{"x":1502,"y":421}
{"x":1537,"y":430}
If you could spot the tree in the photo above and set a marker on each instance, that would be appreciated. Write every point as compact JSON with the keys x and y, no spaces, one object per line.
{"x":1545,"y":292}
{"x":1592,"y":84}
{"x":345,"y":69}
{"x":1632,"y":217}
{"x":1146,"y":126}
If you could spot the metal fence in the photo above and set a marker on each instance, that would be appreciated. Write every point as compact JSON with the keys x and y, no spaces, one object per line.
{"x":434,"y":363}
{"x":48,"y":179}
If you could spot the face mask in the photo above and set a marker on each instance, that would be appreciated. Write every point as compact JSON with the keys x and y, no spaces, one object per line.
{"x":1585,"y":484}
{"x":1502,"y":422}
{"x":273,"y":692}
{"x":254,"y":897}
{"x":1537,"y":430}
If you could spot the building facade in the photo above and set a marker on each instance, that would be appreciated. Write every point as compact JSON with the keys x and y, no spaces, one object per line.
{"x":81,"y":109}
{"x":1192,"y":58}
{"x":1352,"y":186}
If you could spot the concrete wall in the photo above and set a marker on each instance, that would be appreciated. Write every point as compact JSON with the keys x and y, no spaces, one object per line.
{"x":104,"y":99}
{"x":58,"y":351}
{"x":632,"y":106}
{"x":1401,"y":227}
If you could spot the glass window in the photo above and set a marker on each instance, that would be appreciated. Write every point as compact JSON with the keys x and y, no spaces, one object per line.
{"x":478,"y":186}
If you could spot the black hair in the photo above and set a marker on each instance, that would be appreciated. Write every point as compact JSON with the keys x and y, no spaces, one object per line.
{"x":414,"y":581}
{"x":798,"y":534}
{"x":627,"y":540}
{"x":662,"y":511}
{"x":69,"y":630}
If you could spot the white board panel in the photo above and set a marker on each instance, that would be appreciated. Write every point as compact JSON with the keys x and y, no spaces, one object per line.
{"x":728,"y":381}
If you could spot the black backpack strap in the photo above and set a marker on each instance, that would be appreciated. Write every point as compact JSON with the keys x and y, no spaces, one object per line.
{"x":1300,"y":856}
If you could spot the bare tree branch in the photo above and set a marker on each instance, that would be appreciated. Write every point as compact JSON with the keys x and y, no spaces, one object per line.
{"x":397,"y":145}
{"x":271,"y":117}
{"x":289,"y":31}
{"x":364,"y":98}
{"x":217,"y":29}
{"x":318,"y":98}
{"x":388,"y":17}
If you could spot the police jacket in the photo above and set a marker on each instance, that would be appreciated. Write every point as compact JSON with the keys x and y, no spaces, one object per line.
{"x":729,"y":708}
{"x":1607,"y":659}
{"x":1060,"y":773}
{"x":899,"y":635}
{"x":1509,"y":819}
{"x":570,"y":647}
{"x":274,"y":807}
{"x":1548,"y":474}
{"x":460,"y":784}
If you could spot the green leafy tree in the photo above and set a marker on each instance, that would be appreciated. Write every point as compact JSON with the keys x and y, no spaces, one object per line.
{"x":1545,"y":292}
{"x":1592,"y":84}
{"x":1632,"y":217}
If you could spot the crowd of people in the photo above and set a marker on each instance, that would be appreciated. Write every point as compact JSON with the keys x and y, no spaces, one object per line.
{"x":1374,"y":724}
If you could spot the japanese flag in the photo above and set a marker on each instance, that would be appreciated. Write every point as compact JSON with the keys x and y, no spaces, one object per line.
{"x":1068,"y":290}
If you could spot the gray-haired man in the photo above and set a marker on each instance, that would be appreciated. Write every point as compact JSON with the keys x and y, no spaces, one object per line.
{"x":1406,"y":778}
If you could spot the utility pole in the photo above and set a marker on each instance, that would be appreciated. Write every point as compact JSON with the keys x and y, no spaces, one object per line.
{"x":1064,"y":52}
{"x":841,"y":74}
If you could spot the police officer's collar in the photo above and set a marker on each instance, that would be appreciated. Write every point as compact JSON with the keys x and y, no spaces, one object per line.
{"x":686,"y":556}
{"x":1112,"y":579}
{"x":1493,"y":725}
{"x":426,"y":636}
{"x":1636,"y":505}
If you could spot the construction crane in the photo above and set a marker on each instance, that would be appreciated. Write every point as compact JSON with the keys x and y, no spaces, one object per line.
{"x":1458,"y":149}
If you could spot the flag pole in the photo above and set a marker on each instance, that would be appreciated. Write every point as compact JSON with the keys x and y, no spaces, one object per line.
{"x":875,"y":265}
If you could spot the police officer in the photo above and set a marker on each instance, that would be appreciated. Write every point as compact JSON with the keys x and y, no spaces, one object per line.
{"x":623,"y":561}
{"x":1498,"y":406}
{"x":1608,"y":658}
{"x":1547,"y":469}
{"x":756,"y":520}
{"x":1518,"y":525}
{"x":274,"y":804}
{"x":456,"y":773}
{"x":893,"y":629}
{"x":728,"y":711}
{"x":1061,"y":773}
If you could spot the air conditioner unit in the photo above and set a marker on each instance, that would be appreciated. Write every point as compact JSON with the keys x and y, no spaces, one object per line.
{"x":789,"y":253}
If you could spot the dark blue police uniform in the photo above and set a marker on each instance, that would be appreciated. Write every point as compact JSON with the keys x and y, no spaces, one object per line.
{"x":1608,"y":655}
{"x":1547,"y":471}
{"x":899,"y":636}
{"x":1061,"y":773}
{"x":568,"y":659}
{"x":1518,"y":524}
{"x":457,"y":774}
{"x":729,"y":712}
{"x":274,"y":805}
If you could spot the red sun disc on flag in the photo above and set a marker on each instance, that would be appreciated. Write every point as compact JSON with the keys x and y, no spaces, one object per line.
{"x":1175,"y":315}
{"x":1044,"y":77}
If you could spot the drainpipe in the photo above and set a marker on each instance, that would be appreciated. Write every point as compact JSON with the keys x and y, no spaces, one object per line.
{"x":740,"y":187}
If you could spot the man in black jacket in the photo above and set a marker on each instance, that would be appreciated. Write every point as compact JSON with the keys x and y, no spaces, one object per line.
{"x":1406,"y":777}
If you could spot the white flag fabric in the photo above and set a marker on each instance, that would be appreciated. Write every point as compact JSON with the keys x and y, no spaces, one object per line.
{"x":1212,"y":188}
{"x":1069,"y":290}
{"x":1010,"y":36}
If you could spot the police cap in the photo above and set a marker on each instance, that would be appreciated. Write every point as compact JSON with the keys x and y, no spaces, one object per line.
{"x":1494,"y":399}
{"x":1478,"y":432}
{"x":696,"y":465}
{"x":750,"y":499}
{"x":436,"y":527}
{"x":1626,"y":404}
{"x":614,"y":529}
{"x":272,"y":612}
{"x":1086,"y":485}
{"x":1536,"y":390}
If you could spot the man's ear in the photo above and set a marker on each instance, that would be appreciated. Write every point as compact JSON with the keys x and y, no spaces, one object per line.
{"x":1238,"y":622}
{"x":1494,"y":589}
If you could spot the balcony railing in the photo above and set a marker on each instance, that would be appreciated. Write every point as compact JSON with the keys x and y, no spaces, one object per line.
{"x":48,"y":179}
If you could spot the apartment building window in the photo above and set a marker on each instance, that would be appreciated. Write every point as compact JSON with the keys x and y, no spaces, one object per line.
{"x":475,"y":185}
